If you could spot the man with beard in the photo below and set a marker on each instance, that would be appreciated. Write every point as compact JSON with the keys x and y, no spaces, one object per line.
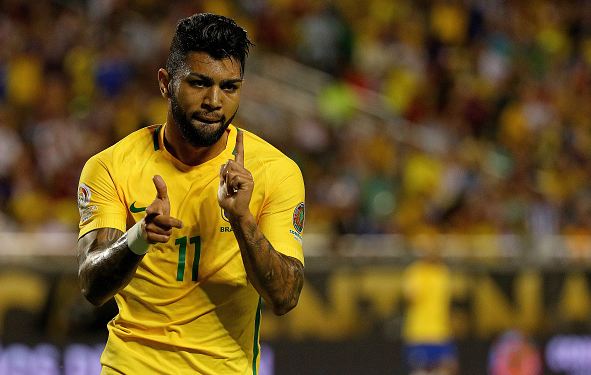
{"x":191,"y":223}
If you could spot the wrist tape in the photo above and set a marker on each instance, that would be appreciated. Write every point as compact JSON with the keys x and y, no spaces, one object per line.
{"x":135,"y":241}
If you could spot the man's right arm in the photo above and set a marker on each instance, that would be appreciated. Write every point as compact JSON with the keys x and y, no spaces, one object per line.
{"x":108,"y":258}
{"x":105,"y":264}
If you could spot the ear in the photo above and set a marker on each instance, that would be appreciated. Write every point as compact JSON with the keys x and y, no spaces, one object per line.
{"x":164,"y":83}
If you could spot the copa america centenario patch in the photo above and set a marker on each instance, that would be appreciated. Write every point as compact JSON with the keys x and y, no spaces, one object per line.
{"x":86,"y":210}
{"x":299,"y":216}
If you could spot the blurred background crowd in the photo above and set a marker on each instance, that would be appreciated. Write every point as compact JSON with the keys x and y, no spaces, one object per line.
{"x":425,"y":120}
{"x":494,"y":94}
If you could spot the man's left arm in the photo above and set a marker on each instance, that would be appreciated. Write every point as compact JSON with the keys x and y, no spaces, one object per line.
{"x":277,"y":277}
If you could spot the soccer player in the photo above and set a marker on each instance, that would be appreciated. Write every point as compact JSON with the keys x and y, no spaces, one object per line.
{"x":427,"y":331}
{"x":189,"y":223}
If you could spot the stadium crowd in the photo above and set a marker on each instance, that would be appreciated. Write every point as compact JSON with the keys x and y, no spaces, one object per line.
{"x":498,"y":91}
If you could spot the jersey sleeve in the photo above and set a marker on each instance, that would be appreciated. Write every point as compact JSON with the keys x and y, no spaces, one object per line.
{"x":283,"y":214}
{"x":99,"y":203}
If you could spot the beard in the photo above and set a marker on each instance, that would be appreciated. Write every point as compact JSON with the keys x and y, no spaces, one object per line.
{"x":198,"y":136}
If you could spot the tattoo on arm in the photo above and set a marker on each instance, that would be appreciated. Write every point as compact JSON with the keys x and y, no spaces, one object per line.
{"x":105,"y":264}
{"x":278,"y":278}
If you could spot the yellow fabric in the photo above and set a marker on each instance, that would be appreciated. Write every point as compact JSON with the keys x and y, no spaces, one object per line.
{"x":171,"y":323}
{"x":427,"y":287}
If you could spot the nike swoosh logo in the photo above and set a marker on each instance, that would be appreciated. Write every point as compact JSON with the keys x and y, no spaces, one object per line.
{"x":135,"y":209}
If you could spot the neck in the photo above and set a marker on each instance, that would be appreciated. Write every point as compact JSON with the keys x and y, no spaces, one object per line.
{"x":187,"y":153}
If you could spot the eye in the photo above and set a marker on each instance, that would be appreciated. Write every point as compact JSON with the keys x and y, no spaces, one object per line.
{"x":197,"y":83}
{"x":232,"y":87}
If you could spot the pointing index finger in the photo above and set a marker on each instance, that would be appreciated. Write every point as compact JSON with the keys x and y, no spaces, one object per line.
{"x":161,"y":191}
{"x":239,"y":148}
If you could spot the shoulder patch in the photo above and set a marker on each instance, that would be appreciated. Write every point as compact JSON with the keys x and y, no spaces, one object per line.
{"x":83,"y":196}
{"x":299,"y":216}
{"x":86,"y":210}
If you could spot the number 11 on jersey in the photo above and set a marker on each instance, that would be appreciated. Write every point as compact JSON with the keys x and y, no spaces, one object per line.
{"x":182,"y":243}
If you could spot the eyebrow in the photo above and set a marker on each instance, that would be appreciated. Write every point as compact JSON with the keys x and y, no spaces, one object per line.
{"x":210,"y":80}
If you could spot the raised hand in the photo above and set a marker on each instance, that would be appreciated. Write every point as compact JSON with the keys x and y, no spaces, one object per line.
{"x":236,"y":183}
{"x":158,"y":222}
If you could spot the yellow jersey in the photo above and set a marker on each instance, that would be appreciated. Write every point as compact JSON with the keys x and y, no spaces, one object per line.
{"x":428,"y":291}
{"x":189,"y":308}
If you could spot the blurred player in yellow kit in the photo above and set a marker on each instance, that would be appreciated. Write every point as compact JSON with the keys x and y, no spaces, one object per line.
{"x":427,"y":325}
{"x":189,"y":223}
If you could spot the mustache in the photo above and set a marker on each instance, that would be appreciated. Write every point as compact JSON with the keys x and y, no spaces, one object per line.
{"x":208,"y":116}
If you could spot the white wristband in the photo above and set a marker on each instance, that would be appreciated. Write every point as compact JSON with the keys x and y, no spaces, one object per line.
{"x":135,"y":241}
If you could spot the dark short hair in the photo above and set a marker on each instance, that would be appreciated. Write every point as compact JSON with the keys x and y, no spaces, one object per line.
{"x":218,"y":36}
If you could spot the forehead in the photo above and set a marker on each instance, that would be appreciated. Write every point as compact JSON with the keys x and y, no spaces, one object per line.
{"x":219,"y":69}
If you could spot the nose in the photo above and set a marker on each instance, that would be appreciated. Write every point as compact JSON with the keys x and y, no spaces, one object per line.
{"x":212,"y":100}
